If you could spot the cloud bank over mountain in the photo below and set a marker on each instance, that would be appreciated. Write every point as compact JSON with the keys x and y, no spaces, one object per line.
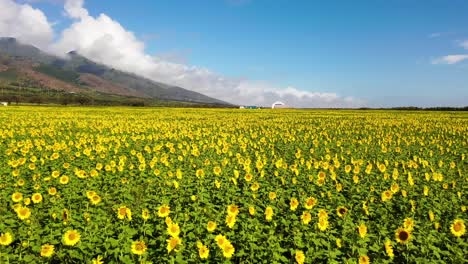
{"x":105,"y":40}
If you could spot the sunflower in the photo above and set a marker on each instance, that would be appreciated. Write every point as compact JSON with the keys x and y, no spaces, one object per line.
{"x":339,"y":187}
{"x":362,"y":230}
{"x":364,"y":260}
{"x":299,"y":256}
{"x":339,"y":243}
{"x":306,"y":217}
{"x":97,"y":260}
{"x":269,"y":213}
{"x":322,"y":214}
{"x":386,"y":195}
{"x":95,"y":199}
{"x":426,"y":191}
{"x":173,"y":230}
{"x":64,"y":179}
{"x":293,"y":204}
{"x":220,"y":240}
{"x":272,"y":195}
{"x":233,"y":209}
{"x":341,"y":211}
{"x":55,"y":174}
{"x":255,"y":186}
{"x":16,"y":207}
{"x":230,"y":220}
{"x":348,"y":168}
{"x":248,"y":177}
{"x":200,"y":173}
{"x":47,"y":250}
{"x":65,"y":215}
{"x":90,"y":194}
{"x":6,"y":239}
{"x":17,"y":197}
{"x":408,"y":223}
{"x":356,"y":179}
{"x":402,"y":235}
{"x":228,"y":250}
{"x":145,"y":214}
{"x":389,"y":248}
{"x":138,"y":247}
{"x":203,"y":251}
{"x":52,"y":191}
{"x":71,"y":237}
{"x":23,"y":213}
{"x":217,"y":184}
{"x":172,"y":243}
{"x":217,"y":170}
{"x":404,"y":193}
{"x":252,"y":210}
{"x":431,"y":216}
{"x":356,"y":170}
{"x":36,"y":198}
{"x":164,"y":211}
{"x":211,"y":226}
{"x":322,"y":224}
{"x":123,"y":212}
{"x":458,"y":228}
{"x":395,"y":187}
{"x":310,"y":203}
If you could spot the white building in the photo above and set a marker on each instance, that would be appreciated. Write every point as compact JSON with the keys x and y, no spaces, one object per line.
{"x":278,"y":104}
{"x":3,"y":103}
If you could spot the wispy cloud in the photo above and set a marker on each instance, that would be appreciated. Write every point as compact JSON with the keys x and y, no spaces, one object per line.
{"x":464,"y":44}
{"x":451,"y":59}
{"x":105,"y":40}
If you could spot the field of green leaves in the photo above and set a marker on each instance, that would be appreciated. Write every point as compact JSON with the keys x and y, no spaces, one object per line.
{"x":126,"y":185}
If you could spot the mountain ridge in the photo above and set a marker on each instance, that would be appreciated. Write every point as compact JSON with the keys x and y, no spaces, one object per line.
{"x":79,"y":74}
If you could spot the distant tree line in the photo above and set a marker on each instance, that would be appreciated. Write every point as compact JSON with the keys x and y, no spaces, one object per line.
{"x":414,"y":108}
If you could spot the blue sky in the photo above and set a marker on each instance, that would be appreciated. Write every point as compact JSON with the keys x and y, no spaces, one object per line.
{"x":388,"y":53}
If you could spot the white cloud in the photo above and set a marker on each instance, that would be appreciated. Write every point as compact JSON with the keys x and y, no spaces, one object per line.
{"x":105,"y":40}
{"x":25,"y":23}
{"x":75,"y":9}
{"x":464,"y":44}
{"x":451,"y":59}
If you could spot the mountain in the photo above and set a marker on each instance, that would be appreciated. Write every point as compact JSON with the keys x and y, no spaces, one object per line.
{"x":26,"y":68}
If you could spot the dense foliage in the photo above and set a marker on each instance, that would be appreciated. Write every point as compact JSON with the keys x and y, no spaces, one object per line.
{"x":121,"y":185}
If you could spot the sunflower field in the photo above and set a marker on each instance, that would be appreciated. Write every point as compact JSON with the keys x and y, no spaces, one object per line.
{"x":128,"y":185}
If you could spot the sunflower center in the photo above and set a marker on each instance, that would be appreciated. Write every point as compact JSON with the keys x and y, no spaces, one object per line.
{"x":72,"y":236}
{"x":403,"y":235}
{"x":122,"y":211}
{"x":140,"y":246}
{"x":457,"y":227}
{"x":173,"y":243}
{"x":342,"y":211}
